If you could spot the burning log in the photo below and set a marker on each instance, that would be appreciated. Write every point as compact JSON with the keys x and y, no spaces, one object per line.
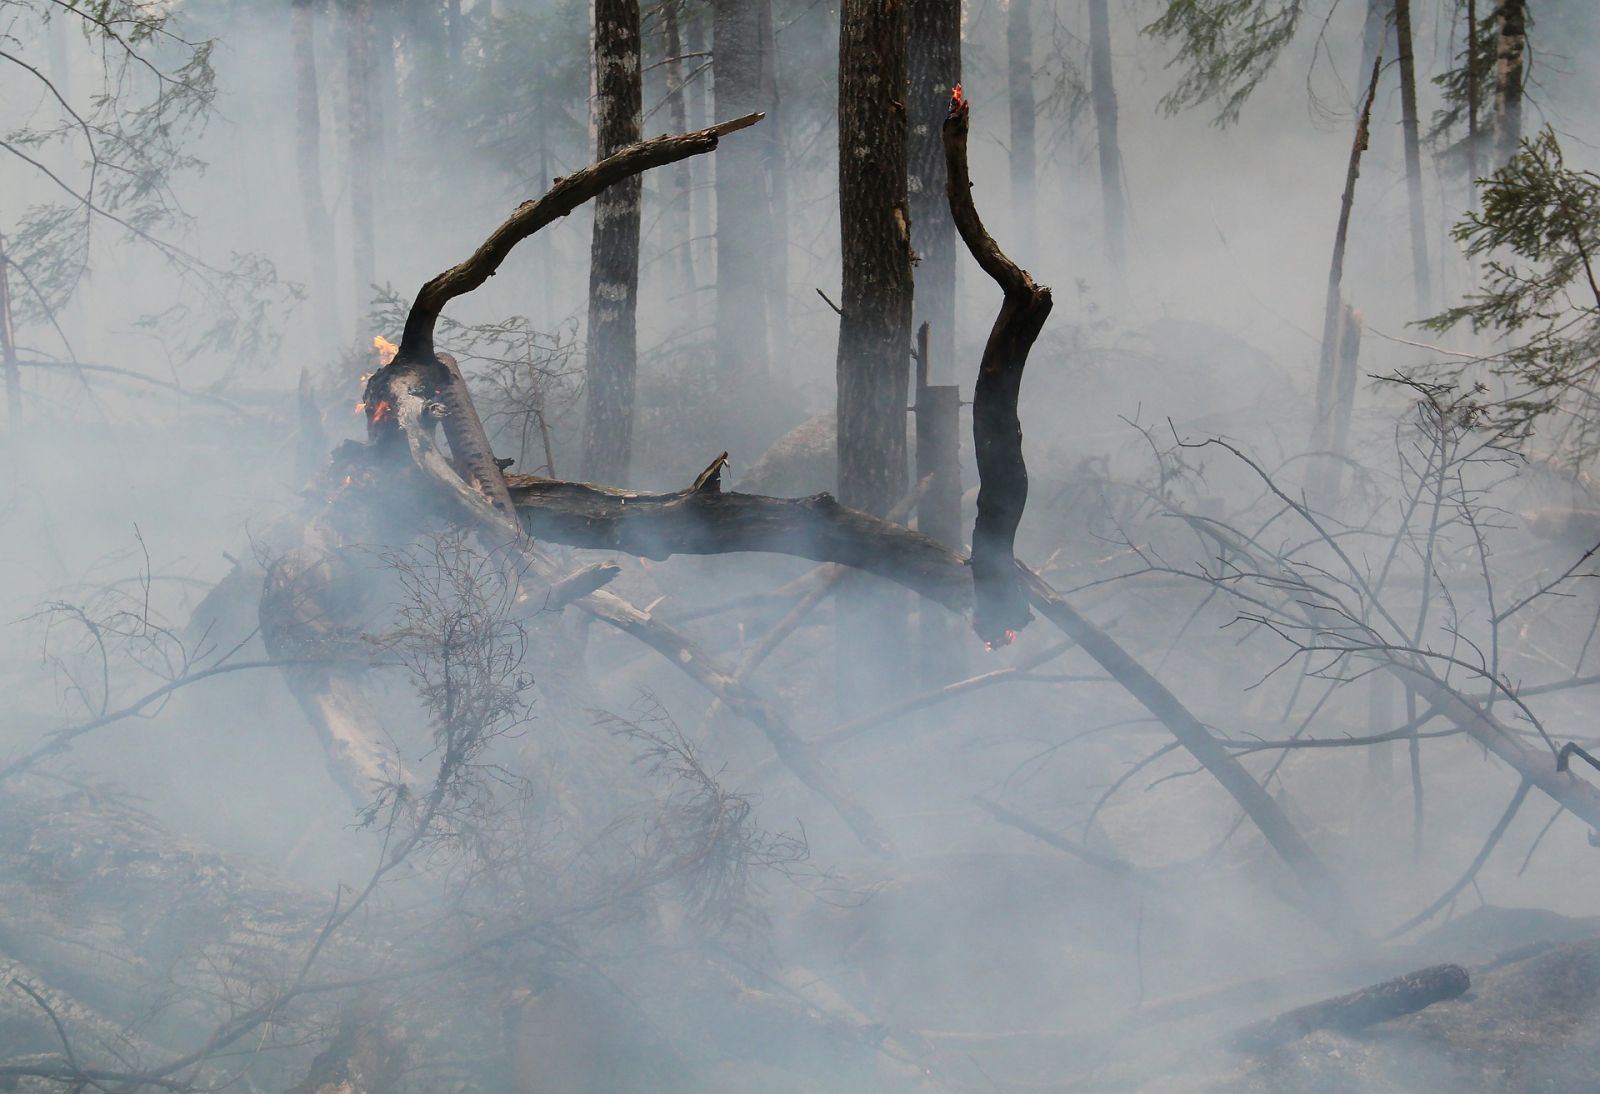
{"x":1000,"y":604}
{"x":1356,"y":1011}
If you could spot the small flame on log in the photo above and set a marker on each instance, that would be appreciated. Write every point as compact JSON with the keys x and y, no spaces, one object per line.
{"x":387,"y":350}
{"x":1011,"y":636}
{"x":958,"y":101}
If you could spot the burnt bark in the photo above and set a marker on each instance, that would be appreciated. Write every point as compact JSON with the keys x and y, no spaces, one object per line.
{"x":873,"y":363}
{"x":1413,"y":150}
{"x":1103,"y":95}
{"x":873,"y":367}
{"x":741,"y":196}
{"x":934,"y":66}
{"x":308,"y":170}
{"x":1511,"y":44}
{"x":1000,"y":606}
{"x":613,"y":354}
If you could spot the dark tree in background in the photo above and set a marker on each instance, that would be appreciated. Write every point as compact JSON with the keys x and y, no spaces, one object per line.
{"x":679,"y":216}
{"x":308,"y":164}
{"x":1103,"y":93}
{"x":1511,"y":24}
{"x":934,"y":61}
{"x":1413,"y":150}
{"x":614,"y":253}
{"x":873,"y":369}
{"x":743,"y":213}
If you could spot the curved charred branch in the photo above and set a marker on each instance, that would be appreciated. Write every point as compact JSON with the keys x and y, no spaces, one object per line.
{"x":702,"y":520}
{"x":1000,"y":604}
{"x":565,"y":195}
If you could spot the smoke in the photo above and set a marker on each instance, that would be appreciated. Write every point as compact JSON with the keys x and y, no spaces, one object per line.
{"x":620,"y":881}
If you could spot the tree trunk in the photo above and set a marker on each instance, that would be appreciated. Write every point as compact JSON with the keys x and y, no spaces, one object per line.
{"x":614,"y":253}
{"x":1408,"y":115}
{"x":1510,"y":47}
{"x":873,"y":365}
{"x":1103,"y":91}
{"x":680,"y":219}
{"x":1019,"y":69}
{"x":1328,"y":362}
{"x":362,"y":165}
{"x":8,"y":347}
{"x":934,"y":59}
{"x":308,"y":163}
{"x":1474,"y":107}
{"x":777,"y":178}
{"x":742,"y":209}
{"x":701,"y":169}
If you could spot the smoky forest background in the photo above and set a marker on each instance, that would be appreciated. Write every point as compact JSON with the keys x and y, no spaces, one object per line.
{"x":793,"y":545}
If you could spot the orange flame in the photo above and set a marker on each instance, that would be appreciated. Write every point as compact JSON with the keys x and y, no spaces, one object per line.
{"x":958,"y":101}
{"x":387,"y":350}
{"x":1011,"y":636}
{"x":381,"y":412}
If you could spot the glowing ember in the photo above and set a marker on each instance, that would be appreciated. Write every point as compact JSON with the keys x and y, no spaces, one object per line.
{"x":381,"y":412}
{"x":387,"y":350}
{"x":1011,"y":636}
{"x":958,"y":101}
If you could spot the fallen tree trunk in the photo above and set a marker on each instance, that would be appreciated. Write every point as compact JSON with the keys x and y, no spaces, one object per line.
{"x":1356,"y":1011}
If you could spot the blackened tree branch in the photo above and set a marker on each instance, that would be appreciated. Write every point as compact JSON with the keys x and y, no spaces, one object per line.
{"x":1000,"y":604}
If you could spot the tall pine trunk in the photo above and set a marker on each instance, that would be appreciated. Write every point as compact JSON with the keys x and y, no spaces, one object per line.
{"x":1323,"y":485}
{"x":742,"y":210}
{"x":8,"y":348}
{"x":934,"y":62}
{"x":1103,"y":93}
{"x":1511,"y":44}
{"x":679,"y":219}
{"x":1413,"y":150}
{"x":701,"y":168}
{"x":874,"y":362}
{"x":308,"y":165}
{"x":1019,"y":75}
{"x":612,"y":361}
{"x":362,"y":165}
{"x":777,"y":177}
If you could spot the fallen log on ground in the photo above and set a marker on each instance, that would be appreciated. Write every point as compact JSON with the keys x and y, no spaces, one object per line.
{"x":1356,"y":1011}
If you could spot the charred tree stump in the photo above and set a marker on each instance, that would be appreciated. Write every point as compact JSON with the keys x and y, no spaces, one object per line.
{"x":1000,"y":605}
